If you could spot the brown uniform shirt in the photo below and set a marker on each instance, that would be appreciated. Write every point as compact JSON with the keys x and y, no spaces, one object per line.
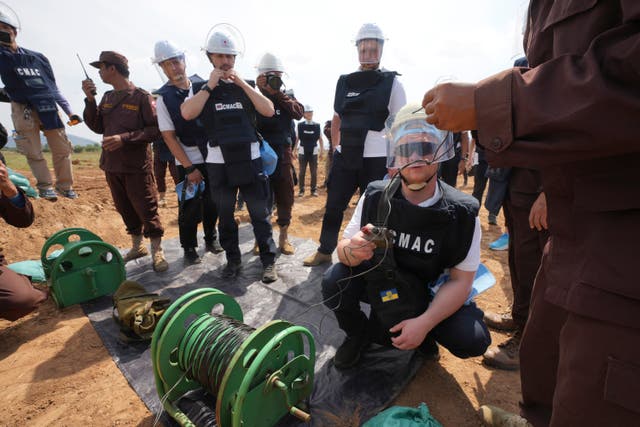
{"x":575,"y":116}
{"x":130,"y":114}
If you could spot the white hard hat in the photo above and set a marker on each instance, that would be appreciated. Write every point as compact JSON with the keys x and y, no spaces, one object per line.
{"x":163,"y":50}
{"x":220,"y":42}
{"x":8,"y":16}
{"x":370,"y":31}
{"x":308,"y":108}
{"x":409,"y":136}
{"x":270,"y":62}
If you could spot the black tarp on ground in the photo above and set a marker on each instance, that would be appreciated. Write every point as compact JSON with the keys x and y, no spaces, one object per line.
{"x":355,"y":394}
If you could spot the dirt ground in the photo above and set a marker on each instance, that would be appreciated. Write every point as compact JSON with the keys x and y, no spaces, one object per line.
{"x":56,"y":372}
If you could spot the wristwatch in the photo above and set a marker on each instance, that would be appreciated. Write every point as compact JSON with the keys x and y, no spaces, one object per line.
{"x":206,"y":88}
{"x":190,"y":169}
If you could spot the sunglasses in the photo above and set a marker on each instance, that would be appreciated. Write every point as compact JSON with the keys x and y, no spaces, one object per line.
{"x":421,"y":148}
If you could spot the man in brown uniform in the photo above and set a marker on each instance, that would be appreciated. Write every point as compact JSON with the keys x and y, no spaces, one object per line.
{"x":127,"y":119}
{"x":573,"y":115}
{"x":17,"y":296}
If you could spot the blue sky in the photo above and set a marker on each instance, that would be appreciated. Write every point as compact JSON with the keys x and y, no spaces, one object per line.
{"x":427,"y":40}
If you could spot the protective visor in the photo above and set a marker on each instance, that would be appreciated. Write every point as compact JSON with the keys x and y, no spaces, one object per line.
{"x":416,"y":140}
{"x":369,"y":51}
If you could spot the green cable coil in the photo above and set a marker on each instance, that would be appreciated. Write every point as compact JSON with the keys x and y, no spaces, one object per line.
{"x":256,"y":375}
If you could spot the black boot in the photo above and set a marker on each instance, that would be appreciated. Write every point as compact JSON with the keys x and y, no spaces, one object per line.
{"x":191,"y":256}
{"x":231,"y":270}
{"x":348,"y":354}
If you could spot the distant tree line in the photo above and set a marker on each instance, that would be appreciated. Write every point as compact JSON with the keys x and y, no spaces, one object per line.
{"x":76,"y":148}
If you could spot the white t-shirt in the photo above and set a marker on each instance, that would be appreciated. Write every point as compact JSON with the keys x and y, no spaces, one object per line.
{"x":214,"y":154}
{"x":301,"y":148}
{"x":375,"y":144}
{"x":469,"y":263}
{"x":165,"y":123}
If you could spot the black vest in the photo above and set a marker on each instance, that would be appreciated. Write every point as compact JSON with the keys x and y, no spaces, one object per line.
{"x":308,"y":133}
{"x":229,"y":120}
{"x":28,"y":79}
{"x":228,"y":116}
{"x":427,"y":241}
{"x":277,"y":128}
{"x":190,"y":132}
{"x":361,"y":101}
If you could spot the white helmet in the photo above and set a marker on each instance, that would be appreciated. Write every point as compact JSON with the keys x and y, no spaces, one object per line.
{"x":308,"y":108}
{"x":370,"y":31}
{"x":164,"y":49}
{"x":269,"y":62}
{"x":220,"y":42}
{"x":8,"y":16}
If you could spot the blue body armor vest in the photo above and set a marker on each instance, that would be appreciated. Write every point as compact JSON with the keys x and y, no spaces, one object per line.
{"x":277,"y":128}
{"x":361,"y":101}
{"x":308,"y":133}
{"x":190,"y":132}
{"x":28,"y":79}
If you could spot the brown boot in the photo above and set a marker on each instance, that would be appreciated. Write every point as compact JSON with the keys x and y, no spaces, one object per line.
{"x":316,"y":259}
{"x":138,"y":250}
{"x":500,"y":322}
{"x":157,"y":255}
{"x":285,"y":247}
{"x":496,"y":417}
{"x":506,"y":355}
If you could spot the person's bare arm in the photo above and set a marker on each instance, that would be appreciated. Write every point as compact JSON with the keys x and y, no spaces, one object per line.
{"x":335,"y":131}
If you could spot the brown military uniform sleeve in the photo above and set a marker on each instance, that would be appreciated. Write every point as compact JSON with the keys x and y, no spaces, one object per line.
{"x":573,"y":116}
{"x":577,"y":92}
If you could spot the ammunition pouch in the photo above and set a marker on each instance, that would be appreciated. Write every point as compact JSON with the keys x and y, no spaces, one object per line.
{"x":136,"y":311}
{"x":395,"y":295}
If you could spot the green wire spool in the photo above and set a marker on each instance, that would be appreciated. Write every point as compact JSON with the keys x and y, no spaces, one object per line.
{"x":86,"y":268}
{"x":255,"y":375}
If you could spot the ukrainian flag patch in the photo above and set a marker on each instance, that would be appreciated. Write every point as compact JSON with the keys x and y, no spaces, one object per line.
{"x":389,"y":295}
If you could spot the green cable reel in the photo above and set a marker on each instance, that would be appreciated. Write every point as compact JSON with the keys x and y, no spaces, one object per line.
{"x":86,"y":268}
{"x":63,"y":238}
{"x":256,"y":375}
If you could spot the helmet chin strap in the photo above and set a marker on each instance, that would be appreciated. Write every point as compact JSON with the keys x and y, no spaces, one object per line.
{"x":419,"y":185}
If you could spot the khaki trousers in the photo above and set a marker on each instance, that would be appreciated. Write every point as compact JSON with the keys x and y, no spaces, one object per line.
{"x":27,"y":125}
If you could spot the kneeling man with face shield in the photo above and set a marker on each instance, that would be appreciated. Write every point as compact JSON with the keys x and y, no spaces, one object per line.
{"x":405,"y":232}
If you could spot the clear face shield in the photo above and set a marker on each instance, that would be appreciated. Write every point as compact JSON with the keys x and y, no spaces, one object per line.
{"x":412,"y":142}
{"x":369,"y":51}
{"x":173,"y":69}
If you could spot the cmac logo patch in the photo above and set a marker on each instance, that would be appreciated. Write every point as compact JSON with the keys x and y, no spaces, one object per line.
{"x":352,"y":94}
{"x":235,"y":106}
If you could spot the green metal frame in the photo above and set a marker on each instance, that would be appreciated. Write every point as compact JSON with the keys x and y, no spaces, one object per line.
{"x":85,"y":270}
{"x":269,"y":375}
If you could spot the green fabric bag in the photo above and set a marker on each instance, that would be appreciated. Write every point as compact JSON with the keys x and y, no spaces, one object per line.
{"x":30,"y":268}
{"x":137,"y":311}
{"x":403,"y":416}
